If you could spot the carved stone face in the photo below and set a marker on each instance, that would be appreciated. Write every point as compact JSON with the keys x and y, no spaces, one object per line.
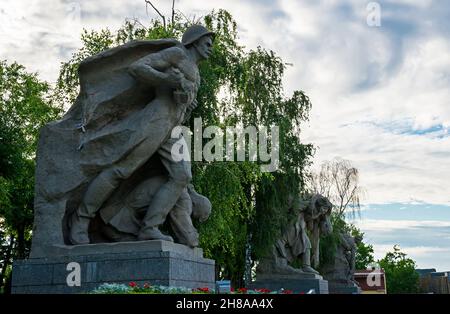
{"x":324,"y":205}
{"x":204,"y":46}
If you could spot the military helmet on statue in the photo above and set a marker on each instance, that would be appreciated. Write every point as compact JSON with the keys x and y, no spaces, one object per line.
{"x":194,"y":33}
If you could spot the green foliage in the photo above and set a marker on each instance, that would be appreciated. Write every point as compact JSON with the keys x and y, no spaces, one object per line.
{"x":401,"y":275}
{"x":146,"y":288}
{"x":364,"y":252}
{"x":328,"y":244}
{"x":25,"y":106}
{"x":134,"y":288}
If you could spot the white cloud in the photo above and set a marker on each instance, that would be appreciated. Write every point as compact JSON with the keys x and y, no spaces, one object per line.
{"x":35,"y":33}
{"x":412,"y":251}
{"x":392,"y":225}
{"x":424,"y":256}
{"x":353,"y":73}
{"x":425,"y":241}
{"x":417,"y":251}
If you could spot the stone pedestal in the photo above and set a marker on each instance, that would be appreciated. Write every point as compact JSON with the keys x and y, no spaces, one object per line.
{"x":297,"y":283}
{"x":343,"y":288}
{"x":155,"y":262}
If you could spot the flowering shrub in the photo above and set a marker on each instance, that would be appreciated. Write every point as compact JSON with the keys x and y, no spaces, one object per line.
{"x":263,"y":290}
{"x":134,"y":288}
{"x":132,"y":284}
{"x":202,"y":290}
{"x":112,"y":288}
{"x":146,"y":288}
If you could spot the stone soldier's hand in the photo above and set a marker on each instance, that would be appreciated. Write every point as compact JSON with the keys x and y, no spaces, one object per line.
{"x":175,"y":78}
{"x":193,"y":105}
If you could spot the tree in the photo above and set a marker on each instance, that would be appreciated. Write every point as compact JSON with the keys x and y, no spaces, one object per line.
{"x":400,"y":271}
{"x":237,"y":87}
{"x":338,"y":180}
{"x":364,"y":252}
{"x":25,"y":106}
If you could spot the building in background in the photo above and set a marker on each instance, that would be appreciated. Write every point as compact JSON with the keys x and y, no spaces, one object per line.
{"x":431,"y":281}
{"x":371,"y":281}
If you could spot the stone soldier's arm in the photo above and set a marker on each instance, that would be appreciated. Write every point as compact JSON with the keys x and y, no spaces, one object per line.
{"x":152,"y":69}
{"x":345,"y":242}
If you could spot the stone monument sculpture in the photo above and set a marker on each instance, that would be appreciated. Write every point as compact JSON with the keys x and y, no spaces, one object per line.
{"x":122,"y":218}
{"x":105,"y":171}
{"x":340,"y":271}
{"x":295,"y":247}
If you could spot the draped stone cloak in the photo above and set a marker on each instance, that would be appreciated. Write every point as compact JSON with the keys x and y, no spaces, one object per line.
{"x":112,"y":114}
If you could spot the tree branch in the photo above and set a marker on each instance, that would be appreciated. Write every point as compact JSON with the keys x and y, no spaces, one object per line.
{"x":157,"y":11}
{"x":173,"y":10}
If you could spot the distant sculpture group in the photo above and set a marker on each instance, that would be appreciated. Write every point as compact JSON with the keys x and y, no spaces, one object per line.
{"x":341,"y":268}
{"x":295,"y":245}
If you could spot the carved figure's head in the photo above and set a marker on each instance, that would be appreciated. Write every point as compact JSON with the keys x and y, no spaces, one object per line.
{"x":200,"y":38}
{"x":201,"y":206}
{"x":319,"y":210}
{"x":358,"y":239}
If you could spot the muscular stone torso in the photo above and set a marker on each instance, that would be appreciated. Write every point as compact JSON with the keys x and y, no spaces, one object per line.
{"x":189,"y":69}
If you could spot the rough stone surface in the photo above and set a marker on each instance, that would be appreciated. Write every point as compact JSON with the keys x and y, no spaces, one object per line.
{"x":162,"y":263}
{"x":343,"y":288}
{"x":114,"y":142}
{"x":340,"y":270}
{"x":276,"y":271}
{"x":125,"y":247}
{"x":295,"y":244}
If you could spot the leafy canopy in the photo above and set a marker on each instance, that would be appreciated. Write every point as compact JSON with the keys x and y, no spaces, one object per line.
{"x":401,"y":275}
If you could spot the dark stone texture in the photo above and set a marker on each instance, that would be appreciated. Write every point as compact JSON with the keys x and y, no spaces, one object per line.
{"x":341,"y":288}
{"x":176,"y":266}
{"x":304,"y":285}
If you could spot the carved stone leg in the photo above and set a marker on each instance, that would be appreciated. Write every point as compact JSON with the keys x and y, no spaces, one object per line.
{"x":156,"y":215}
{"x":98,"y":192}
{"x":168,"y":195}
{"x":306,"y":261}
{"x":101,"y":188}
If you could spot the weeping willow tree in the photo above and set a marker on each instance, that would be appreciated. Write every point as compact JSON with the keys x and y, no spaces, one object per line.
{"x":238,"y":87}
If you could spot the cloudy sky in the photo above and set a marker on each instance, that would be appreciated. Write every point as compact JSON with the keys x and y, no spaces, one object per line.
{"x":380,"y":91}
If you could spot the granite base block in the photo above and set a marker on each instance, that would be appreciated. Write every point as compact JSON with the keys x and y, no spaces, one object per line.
{"x":297,"y":285}
{"x":341,"y":288}
{"x":154,"y":262}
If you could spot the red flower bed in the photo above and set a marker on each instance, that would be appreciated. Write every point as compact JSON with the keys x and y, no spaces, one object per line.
{"x":203,"y":289}
{"x":263,"y":290}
